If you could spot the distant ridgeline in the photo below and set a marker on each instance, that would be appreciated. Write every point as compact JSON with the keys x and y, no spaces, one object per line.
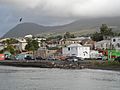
{"x":84,"y":26}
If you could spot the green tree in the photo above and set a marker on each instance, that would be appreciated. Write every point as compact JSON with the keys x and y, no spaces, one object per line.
{"x":59,"y":37}
{"x":72,"y":36}
{"x":117,"y":34}
{"x":32,"y":45}
{"x":10,"y":41}
{"x":11,"y":49}
{"x":105,"y":30}
{"x":97,"y":36}
{"x":50,"y":38}
{"x":69,"y":35}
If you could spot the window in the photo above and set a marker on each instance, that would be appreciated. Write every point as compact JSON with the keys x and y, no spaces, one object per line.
{"x":118,"y":44}
{"x":69,"y":49}
{"x":114,"y":40}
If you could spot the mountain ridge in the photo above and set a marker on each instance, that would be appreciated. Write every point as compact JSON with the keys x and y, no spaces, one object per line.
{"x":23,"y":29}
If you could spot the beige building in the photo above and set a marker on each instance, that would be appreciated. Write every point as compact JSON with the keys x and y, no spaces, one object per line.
{"x":89,"y":43}
{"x":44,"y":52}
{"x":65,"y":42}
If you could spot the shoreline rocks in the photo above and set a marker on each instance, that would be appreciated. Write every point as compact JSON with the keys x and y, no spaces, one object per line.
{"x":57,"y":64}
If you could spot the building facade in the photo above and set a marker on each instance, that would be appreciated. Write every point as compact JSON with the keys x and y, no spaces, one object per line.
{"x":104,"y":44}
{"x":45,"y":53}
{"x":22,"y":43}
{"x":115,"y":41}
{"x":76,"y":50}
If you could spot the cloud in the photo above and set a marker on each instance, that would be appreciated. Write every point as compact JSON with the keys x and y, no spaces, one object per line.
{"x":53,"y":12}
{"x":68,"y":8}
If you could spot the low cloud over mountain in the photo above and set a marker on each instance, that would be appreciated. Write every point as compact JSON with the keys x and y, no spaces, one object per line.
{"x":54,"y":12}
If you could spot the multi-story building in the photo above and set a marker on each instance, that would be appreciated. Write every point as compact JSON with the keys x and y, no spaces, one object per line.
{"x":76,"y":50}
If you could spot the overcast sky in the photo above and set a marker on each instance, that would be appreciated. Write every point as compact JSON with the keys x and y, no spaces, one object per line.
{"x":53,"y":12}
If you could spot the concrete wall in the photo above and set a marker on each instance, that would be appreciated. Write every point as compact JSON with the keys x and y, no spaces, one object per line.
{"x":83,"y":52}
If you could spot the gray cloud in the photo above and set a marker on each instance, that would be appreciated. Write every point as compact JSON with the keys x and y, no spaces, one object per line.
{"x":68,"y":8}
{"x":53,"y":12}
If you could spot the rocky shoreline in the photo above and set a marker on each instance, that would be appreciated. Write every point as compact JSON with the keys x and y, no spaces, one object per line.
{"x":44,"y":64}
{"x":59,"y":64}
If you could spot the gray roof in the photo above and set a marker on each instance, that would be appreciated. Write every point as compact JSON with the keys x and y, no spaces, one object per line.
{"x":75,"y":45}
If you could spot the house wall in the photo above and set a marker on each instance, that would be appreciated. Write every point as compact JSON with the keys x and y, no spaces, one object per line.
{"x":105,"y":44}
{"x":70,"y":51}
{"x":44,"y":53}
{"x":50,"y":52}
{"x":116,"y":42}
{"x":22,"y":45}
{"x":41,"y":53}
{"x":83,"y":52}
{"x":1,"y":47}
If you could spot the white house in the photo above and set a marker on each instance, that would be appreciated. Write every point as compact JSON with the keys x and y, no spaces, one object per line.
{"x":22,"y":43}
{"x":76,"y":50}
{"x":104,"y":44}
{"x":40,"y":41}
{"x":116,"y":42}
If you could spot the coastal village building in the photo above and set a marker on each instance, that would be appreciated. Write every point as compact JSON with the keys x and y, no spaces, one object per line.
{"x":88,"y":43}
{"x":45,"y":53}
{"x":64,"y":42}
{"x":53,"y":43}
{"x":22,"y":43}
{"x":77,"y":40}
{"x":76,"y":50}
{"x":41,"y":41}
{"x":104,"y":44}
{"x":115,"y":41}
